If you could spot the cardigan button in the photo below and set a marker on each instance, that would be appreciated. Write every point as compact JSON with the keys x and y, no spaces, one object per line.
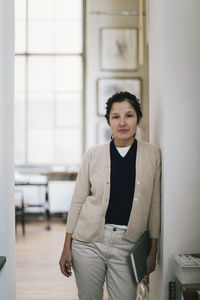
{"x":136,"y":199}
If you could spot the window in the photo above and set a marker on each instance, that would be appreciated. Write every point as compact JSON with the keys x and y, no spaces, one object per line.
{"x":48,"y":81}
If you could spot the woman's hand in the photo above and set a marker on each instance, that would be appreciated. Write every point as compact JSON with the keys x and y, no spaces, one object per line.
{"x":66,"y":257}
{"x":151,"y":263}
{"x":66,"y":262}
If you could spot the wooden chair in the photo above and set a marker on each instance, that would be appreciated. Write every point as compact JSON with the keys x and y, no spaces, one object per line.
{"x":20,"y":210}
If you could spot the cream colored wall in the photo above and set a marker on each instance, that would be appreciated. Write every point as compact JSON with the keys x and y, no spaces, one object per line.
{"x":93,"y":24}
{"x":174,"y":60}
{"x":7,"y":225}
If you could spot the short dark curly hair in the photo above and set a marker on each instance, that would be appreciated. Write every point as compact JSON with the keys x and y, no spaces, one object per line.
{"x":121,"y":96}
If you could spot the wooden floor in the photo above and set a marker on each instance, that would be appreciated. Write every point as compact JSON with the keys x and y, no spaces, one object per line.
{"x":38,"y":274}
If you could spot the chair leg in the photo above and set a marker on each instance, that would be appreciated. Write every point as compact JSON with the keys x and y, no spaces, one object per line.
{"x":23,"y":216}
{"x":23,"y":223}
{"x":47,"y":210}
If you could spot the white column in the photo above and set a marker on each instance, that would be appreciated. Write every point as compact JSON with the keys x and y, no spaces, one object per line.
{"x":174,"y":125}
{"x":7,"y":225}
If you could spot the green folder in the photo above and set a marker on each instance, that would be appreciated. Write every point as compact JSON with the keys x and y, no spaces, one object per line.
{"x":139,"y":255}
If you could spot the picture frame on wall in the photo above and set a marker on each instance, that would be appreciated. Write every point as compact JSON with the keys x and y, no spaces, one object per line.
{"x":119,"y":49}
{"x":106,"y":87}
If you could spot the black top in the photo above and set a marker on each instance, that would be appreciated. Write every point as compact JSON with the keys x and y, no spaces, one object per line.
{"x":122,"y":185}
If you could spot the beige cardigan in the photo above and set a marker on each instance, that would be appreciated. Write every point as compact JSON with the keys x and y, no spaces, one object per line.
{"x":86,"y":218}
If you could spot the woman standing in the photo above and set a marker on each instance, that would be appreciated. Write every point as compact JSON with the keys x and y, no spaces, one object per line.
{"x":116,"y":198}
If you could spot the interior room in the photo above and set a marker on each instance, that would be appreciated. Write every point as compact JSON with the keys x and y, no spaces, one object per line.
{"x":60,"y":62}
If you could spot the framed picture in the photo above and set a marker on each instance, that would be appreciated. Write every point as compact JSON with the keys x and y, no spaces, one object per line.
{"x":119,"y":49}
{"x":103,"y":132}
{"x":106,"y":87}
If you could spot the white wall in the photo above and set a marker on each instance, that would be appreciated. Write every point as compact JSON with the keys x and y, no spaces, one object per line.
{"x":174,"y":125}
{"x":7,"y":226}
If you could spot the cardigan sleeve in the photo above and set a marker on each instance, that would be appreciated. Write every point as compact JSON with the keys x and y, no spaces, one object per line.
{"x":154,"y":213}
{"x":81,"y":191}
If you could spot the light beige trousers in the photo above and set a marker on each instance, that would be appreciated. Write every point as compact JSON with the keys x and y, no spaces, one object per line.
{"x":93,"y":263}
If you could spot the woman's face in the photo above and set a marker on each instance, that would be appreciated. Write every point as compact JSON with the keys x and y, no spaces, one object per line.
{"x":123,"y":123}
